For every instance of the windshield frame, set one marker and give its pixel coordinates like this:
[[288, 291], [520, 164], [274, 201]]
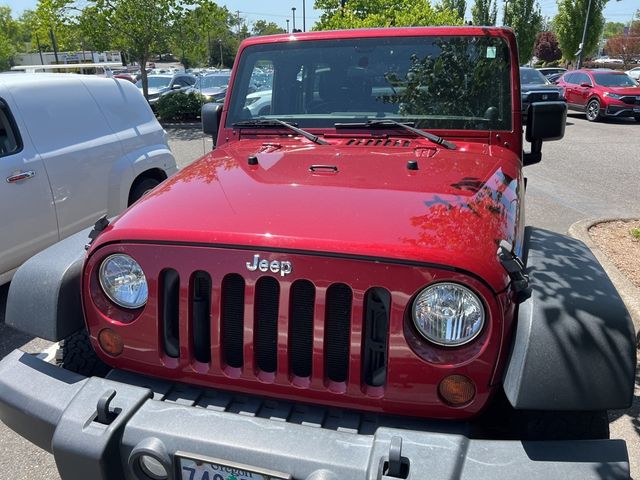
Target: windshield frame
[[510, 91]]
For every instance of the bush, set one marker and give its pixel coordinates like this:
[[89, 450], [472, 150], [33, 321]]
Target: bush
[[180, 106]]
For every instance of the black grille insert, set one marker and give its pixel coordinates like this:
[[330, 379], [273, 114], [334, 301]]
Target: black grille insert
[[377, 305], [201, 316], [170, 303], [301, 308], [266, 323], [337, 331], [232, 310]]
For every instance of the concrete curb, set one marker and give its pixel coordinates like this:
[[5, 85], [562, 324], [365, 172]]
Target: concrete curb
[[628, 292]]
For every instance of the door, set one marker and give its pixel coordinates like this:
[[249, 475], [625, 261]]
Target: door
[[27, 214]]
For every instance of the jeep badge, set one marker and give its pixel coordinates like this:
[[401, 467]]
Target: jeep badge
[[284, 268]]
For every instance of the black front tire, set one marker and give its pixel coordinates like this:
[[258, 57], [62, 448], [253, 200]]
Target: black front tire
[[594, 112], [77, 355], [141, 188]]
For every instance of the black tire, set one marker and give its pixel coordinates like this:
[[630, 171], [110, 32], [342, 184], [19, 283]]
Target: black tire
[[77, 355], [140, 188], [593, 112]]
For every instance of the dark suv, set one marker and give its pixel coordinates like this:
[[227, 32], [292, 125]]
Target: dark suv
[[602, 93]]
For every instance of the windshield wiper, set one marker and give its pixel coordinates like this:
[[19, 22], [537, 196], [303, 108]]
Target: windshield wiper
[[407, 126], [275, 123]]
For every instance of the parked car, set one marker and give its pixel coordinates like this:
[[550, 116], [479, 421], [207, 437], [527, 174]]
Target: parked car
[[72, 149], [601, 93], [159, 85], [212, 86], [259, 103], [535, 87], [548, 71], [344, 289], [634, 73]]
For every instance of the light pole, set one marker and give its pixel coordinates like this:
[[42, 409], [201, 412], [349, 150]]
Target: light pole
[[287, 25], [304, 15], [584, 36], [293, 13], [220, 45]]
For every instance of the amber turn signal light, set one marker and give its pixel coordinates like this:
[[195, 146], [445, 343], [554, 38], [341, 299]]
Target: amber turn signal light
[[456, 390], [111, 342]]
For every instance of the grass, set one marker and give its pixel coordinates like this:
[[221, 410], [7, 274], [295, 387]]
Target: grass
[[635, 233]]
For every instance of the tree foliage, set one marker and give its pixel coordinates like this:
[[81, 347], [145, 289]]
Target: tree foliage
[[569, 25], [547, 48], [262, 27], [611, 29], [525, 18], [9, 33], [53, 21], [484, 12], [458, 6], [626, 45], [382, 13]]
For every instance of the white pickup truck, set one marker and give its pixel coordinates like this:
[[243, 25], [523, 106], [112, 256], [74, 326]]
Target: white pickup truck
[[72, 149]]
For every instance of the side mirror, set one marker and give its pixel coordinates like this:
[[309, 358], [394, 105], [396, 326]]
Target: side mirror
[[585, 84], [545, 122], [211, 114], [176, 87]]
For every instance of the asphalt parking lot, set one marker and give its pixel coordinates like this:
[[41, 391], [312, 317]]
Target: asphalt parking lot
[[592, 172]]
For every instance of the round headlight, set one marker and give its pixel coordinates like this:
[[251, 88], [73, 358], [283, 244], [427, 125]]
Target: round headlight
[[448, 314], [123, 281]]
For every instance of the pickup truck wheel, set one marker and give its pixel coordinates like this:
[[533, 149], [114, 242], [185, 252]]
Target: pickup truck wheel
[[141, 188], [593, 110], [77, 355]]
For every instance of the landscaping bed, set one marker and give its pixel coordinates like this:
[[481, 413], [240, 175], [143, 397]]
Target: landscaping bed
[[620, 241]]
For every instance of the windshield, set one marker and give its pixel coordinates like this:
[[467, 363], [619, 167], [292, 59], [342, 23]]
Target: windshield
[[155, 82], [528, 76], [614, 80], [452, 82], [211, 81]]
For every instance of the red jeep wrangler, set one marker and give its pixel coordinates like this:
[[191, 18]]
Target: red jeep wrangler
[[343, 289]]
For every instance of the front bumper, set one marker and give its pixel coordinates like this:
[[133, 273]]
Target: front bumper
[[622, 110], [62, 412]]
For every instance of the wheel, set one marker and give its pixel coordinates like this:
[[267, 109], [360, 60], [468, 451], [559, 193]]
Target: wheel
[[140, 188], [593, 110], [77, 355]]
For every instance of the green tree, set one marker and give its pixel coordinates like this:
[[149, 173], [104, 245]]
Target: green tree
[[94, 31], [9, 38], [484, 12], [141, 25], [458, 6], [612, 29], [569, 24], [381, 13], [52, 20], [525, 18], [262, 27]]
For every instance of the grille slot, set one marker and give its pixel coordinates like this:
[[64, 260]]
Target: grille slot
[[337, 331], [266, 323], [301, 308], [170, 296], [201, 316], [376, 333], [232, 319]]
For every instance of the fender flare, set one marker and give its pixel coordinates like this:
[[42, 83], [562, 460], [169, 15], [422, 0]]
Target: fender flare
[[574, 345], [44, 295]]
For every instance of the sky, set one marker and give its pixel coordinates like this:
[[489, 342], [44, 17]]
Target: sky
[[278, 11]]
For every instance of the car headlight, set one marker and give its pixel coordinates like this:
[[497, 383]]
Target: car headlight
[[612, 95], [448, 314], [123, 281]]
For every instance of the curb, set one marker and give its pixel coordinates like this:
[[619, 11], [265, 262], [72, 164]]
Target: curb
[[629, 293]]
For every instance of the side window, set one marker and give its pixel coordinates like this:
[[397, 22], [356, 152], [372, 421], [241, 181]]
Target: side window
[[182, 81], [569, 78], [10, 142], [584, 78], [258, 100]]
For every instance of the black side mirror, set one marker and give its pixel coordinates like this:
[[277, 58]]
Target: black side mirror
[[545, 122], [585, 84], [211, 114]]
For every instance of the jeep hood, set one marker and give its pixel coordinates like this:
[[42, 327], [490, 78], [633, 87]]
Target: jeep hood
[[340, 199]]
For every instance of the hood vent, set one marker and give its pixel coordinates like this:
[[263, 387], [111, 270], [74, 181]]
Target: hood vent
[[378, 142]]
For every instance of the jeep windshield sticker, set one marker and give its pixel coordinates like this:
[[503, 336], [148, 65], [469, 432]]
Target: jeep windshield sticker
[[491, 52]]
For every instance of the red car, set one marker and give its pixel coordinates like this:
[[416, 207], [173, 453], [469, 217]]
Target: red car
[[343, 289], [602, 93]]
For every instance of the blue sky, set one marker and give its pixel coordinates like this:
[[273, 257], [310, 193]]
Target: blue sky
[[278, 11]]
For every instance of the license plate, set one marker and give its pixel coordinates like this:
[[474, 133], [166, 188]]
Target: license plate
[[194, 467]]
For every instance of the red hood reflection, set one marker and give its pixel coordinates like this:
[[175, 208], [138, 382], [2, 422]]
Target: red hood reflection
[[359, 201]]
